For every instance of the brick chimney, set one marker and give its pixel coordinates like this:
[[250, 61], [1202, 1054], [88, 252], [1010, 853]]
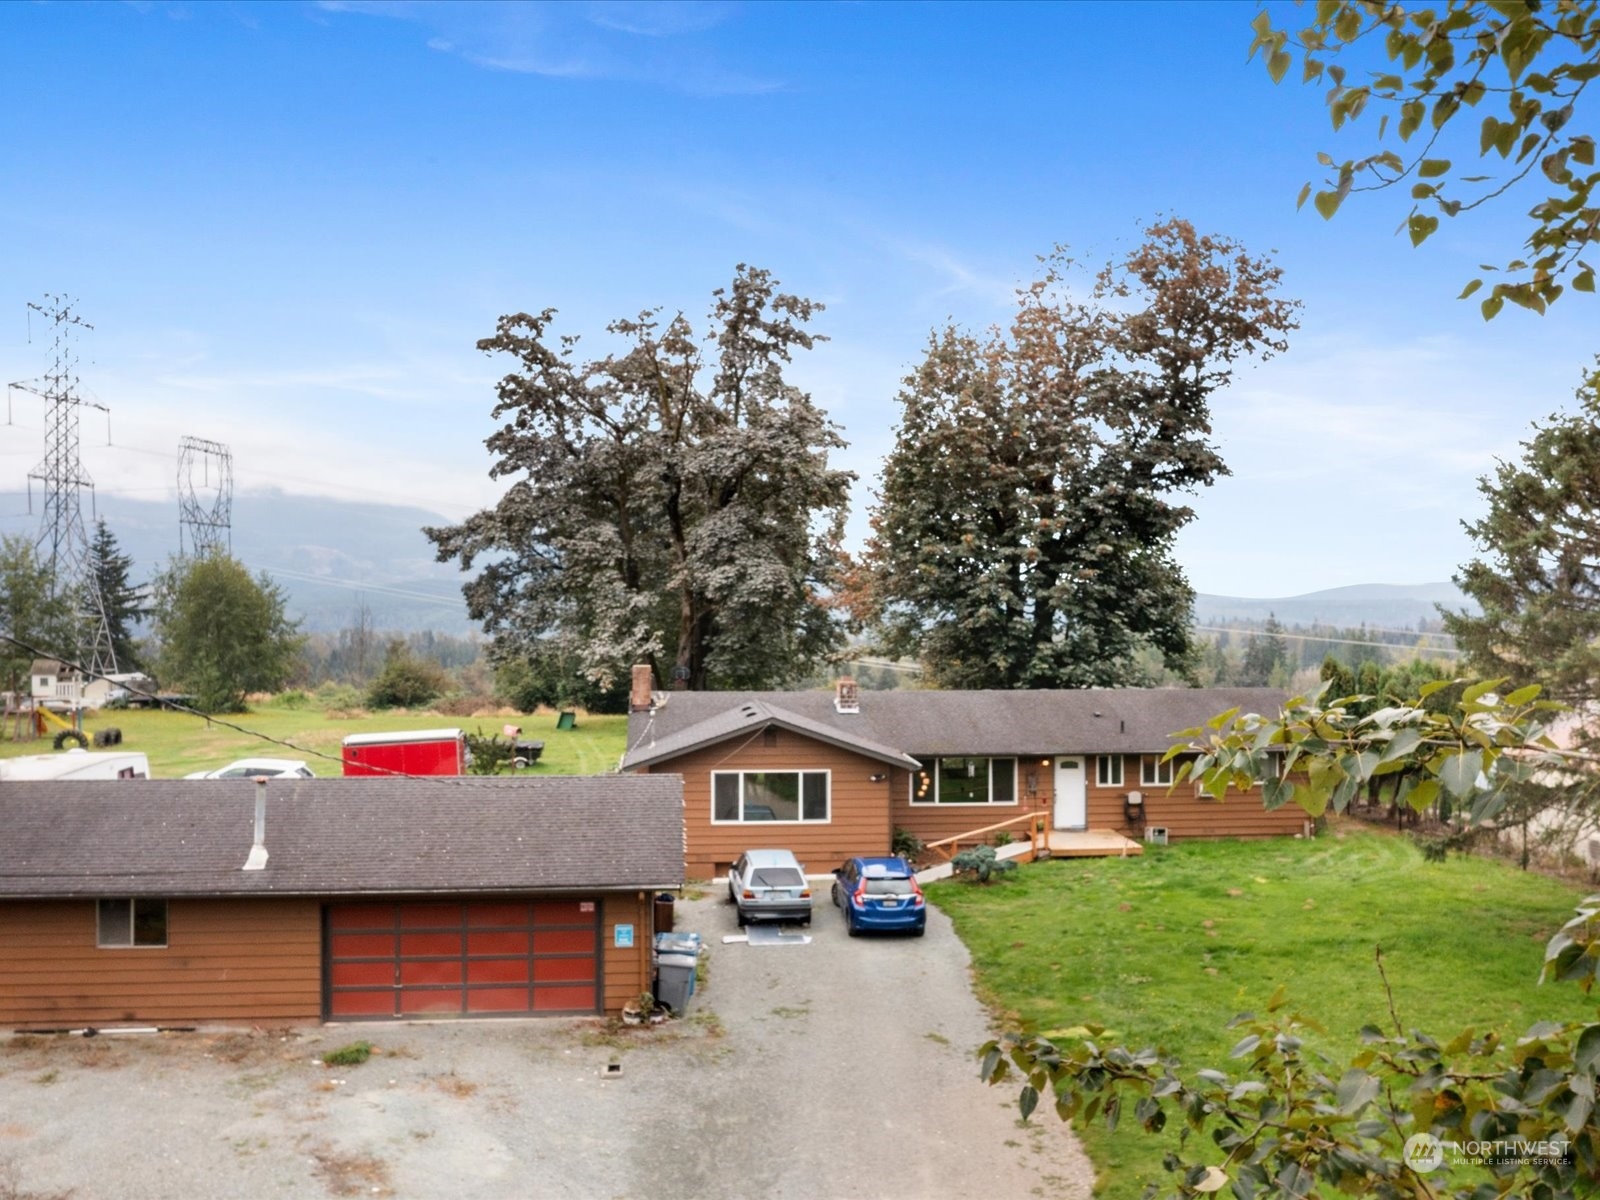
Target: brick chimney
[[640, 694], [846, 695]]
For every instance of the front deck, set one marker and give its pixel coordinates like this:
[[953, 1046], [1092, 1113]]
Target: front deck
[[1090, 843]]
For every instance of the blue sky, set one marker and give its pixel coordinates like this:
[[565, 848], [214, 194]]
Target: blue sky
[[289, 224]]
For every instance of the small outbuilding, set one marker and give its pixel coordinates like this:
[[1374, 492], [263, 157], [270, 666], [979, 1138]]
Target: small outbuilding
[[181, 902]]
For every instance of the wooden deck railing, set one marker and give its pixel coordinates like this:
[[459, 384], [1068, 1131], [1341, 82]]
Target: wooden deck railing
[[948, 848]]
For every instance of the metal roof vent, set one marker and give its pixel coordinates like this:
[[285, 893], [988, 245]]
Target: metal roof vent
[[257, 860]]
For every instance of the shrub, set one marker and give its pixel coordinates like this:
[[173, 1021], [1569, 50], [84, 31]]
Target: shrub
[[905, 844], [406, 681], [490, 752], [981, 863]]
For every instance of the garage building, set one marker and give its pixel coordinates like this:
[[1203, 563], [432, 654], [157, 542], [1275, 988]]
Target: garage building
[[182, 902]]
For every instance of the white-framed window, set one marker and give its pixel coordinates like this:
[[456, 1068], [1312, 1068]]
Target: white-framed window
[[138, 921], [785, 797], [1108, 770], [965, 780], [1154, 772]]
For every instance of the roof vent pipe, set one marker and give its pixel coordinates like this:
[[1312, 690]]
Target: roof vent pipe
[[258, 850]]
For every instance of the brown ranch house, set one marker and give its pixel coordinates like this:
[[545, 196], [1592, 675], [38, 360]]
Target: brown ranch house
[[834, 774], [182, 902]]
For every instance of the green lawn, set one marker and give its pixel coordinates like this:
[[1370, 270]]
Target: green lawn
[[1166, 948], [178, 743]]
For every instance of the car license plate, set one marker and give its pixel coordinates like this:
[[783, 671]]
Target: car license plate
[[891, 904]]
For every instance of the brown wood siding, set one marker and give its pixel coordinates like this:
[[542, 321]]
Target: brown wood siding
[[626, 969], [935, 822], [225, 960], [858, 809], [1184, 813]]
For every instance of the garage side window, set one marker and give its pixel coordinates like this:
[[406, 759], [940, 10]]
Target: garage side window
[[783, 796], [966, 781], [135, 922]]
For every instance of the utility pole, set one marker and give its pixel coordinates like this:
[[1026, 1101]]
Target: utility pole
[[205, 496], [63, 543]]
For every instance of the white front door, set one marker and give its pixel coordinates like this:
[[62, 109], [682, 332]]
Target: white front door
[[1072, 794]]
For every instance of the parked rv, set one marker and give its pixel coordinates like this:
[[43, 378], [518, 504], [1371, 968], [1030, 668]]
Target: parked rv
[[77, 764]]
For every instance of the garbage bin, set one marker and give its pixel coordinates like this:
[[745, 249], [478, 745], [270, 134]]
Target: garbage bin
[[663, 912], [676, 957]]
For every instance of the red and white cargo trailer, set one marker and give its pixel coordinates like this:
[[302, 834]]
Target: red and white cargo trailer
[[406, 752]]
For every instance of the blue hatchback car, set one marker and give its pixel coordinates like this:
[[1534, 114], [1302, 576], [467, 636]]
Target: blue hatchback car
[[880, 893]]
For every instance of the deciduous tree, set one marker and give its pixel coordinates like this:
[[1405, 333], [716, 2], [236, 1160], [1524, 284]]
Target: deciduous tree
[[31, 613], [1288, 1123], [1023, 535], [222, 634], [672, 502], [1525, 65]]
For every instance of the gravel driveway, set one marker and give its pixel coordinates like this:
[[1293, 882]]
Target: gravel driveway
[[802, 1071]]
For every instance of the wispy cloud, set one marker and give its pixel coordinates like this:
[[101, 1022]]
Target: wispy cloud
[[662, 44]]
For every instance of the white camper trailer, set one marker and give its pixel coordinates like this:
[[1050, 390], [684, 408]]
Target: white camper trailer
[[76, 764]]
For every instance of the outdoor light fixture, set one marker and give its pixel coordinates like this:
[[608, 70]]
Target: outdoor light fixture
[[879, 778]]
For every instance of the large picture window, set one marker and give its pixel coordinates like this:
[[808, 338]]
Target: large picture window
[[966, 781], [1108, 770], [136, 922], [783, 796]]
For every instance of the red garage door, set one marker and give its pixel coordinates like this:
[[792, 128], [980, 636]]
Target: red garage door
[[472, 958]]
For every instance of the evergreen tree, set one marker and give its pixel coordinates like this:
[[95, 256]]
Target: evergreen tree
[[1264, 654], [1537, 581], [125, 603]]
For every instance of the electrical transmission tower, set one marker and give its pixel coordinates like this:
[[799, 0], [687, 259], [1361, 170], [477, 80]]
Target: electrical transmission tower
[[63, 543], [205, 496]]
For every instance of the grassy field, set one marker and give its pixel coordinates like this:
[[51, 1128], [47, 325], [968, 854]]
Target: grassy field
[[1166, 948], [178, 743]]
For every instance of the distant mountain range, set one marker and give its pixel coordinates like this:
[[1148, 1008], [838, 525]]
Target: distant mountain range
[[1384, 605], [330, 556]]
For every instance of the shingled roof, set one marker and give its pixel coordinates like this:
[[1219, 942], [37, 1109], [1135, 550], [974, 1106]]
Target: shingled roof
[[753, 716], [340, 837], [927, 723]]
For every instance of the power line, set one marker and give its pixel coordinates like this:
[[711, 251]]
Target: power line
[[1306, 637]]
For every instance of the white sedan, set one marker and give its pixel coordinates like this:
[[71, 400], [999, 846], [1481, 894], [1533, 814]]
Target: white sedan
[[258, 768]]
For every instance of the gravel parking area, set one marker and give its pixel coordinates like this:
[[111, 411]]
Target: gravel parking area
[[800, 1071]]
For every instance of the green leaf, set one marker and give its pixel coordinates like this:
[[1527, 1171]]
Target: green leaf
[[1327, 203], [1587, 1053], [1583, 281], [1275, 793], [1421, 228], [1432, 168], [1028, 1101], [1460, 773], [1491, 307], [1357, 1089], [1422, 795], [1278, 65], [1479, 690], [1301, 199], [1524, 695], [1401, 745]]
